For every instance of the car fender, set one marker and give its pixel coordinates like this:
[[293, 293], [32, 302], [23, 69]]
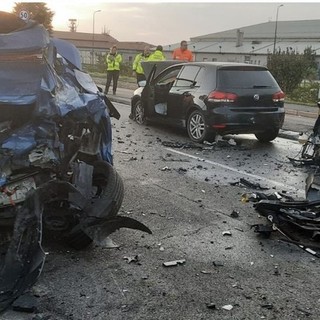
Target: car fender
[[191, 108]]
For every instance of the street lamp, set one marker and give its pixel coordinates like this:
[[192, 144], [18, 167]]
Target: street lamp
[[93, 34], [275, 29]]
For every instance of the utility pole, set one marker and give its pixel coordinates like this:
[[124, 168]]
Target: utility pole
[[275, 29], [92, 53]]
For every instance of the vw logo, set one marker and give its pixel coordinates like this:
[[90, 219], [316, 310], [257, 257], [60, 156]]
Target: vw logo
[[256, 97]]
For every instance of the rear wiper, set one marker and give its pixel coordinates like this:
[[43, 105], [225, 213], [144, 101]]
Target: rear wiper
[[255, 86]]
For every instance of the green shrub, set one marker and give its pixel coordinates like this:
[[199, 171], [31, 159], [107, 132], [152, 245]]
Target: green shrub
[[306, 92], [290, 67]]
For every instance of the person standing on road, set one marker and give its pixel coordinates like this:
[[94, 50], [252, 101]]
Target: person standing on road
[[137, 67], [157, 55], [113, 62], [182, 53]]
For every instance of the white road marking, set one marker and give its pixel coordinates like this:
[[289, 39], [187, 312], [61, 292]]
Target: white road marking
[[241, 172]]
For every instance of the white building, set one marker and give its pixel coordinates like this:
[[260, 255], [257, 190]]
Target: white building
[[252, 44]]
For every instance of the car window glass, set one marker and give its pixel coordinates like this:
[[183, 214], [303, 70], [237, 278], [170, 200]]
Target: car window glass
[[200, 77], [255, 78], [169, 77], [187, 76]]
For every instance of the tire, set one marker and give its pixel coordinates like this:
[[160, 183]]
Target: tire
[[110, 195], [197, 128], [139, 113], [268, 135], [106, 201]]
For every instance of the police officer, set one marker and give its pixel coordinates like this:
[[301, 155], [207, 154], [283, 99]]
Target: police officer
[[113, 62], [157, 55], [137, 67]]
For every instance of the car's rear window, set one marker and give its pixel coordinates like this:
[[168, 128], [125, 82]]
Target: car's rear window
[[247, 78]]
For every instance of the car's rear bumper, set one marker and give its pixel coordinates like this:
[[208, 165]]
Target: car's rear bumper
[[244, 122]]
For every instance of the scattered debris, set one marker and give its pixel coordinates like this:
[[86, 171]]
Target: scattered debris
[[249, 184], [257, 196], [207, 271], [217, 263], [174, 263], [232, 142], [227, 307], [180, 145], [132, 159], [182, 170], [276, 271], [25, 303], [131, 259], [211, 305], [107, 243], [234, 214], [219, 142], [263, 229]]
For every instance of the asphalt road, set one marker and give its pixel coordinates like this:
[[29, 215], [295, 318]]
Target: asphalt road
[[224, 271]]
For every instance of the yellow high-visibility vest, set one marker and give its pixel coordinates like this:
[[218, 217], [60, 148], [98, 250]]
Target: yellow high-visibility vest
[[113, 61]]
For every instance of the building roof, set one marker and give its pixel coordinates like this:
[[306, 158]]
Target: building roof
[[259, 39], [304, 29], [99, 41], [83, 36]]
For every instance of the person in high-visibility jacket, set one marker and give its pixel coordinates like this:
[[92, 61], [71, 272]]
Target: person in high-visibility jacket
[[137, 67], [157, 55], [113, 62]]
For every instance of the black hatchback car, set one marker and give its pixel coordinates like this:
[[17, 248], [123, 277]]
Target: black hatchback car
[[209, 98]]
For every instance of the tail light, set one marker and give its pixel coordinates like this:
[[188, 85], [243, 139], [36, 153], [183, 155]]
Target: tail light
[[220, 96], [278, 96]]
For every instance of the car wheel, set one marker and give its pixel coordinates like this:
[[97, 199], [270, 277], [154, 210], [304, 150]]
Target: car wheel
[[268, 135], [107, 200], [138, 113], [196, 127]]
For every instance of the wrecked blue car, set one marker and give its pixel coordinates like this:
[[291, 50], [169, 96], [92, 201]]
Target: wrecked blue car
[[56, 166]]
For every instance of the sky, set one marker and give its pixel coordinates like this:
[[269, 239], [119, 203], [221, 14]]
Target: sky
[[168, 22]]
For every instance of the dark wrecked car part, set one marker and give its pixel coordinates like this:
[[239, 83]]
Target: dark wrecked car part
[[297, 221], [22, 257], [56, 164], [310, 151]]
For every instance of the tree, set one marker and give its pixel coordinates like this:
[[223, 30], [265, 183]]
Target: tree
[[38, 11], [289, 68]]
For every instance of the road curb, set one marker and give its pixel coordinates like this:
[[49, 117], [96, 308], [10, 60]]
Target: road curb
[[306, 114]]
